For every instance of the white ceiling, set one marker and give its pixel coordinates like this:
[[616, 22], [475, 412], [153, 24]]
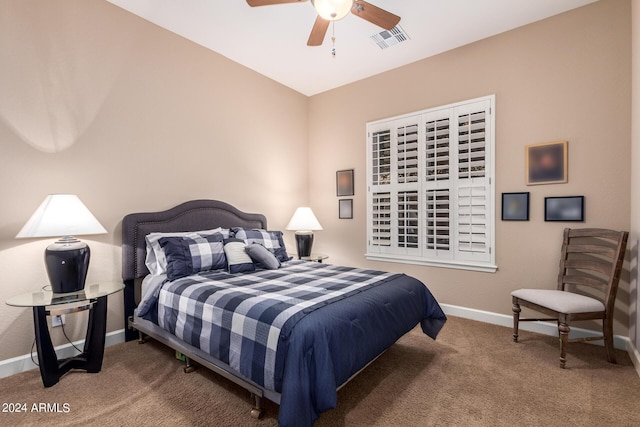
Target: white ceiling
[[272, 39]]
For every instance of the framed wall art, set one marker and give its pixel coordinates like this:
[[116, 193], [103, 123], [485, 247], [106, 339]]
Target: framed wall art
[[547, 163], [345, 209], [564, 208], [344, 183], [515, 206]]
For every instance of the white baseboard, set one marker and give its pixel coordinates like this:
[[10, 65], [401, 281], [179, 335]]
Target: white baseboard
[[635, 356], [24, 363], [545, 328]]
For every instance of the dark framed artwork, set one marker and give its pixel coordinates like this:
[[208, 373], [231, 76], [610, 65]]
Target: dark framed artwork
[[547, 163], [515, 206], [344, 183], [345, 208], [564, 208]]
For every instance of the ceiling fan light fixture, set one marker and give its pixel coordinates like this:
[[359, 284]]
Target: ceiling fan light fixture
[[332, 10]]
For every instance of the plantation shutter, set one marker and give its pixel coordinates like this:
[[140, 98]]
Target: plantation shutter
[[381, 221], [407, 149], [408, 221], [437, 148], [471, 144], [438, 210], [430, 192], [438, 218], [473, 189], [406, 217], [381, 204], [381, 153]]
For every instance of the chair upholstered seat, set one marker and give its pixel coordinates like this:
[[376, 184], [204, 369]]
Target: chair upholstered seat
[[560, 301], [590, 263]]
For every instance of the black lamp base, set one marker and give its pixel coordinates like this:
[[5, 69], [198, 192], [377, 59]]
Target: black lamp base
[[67, 265], [304, 242]]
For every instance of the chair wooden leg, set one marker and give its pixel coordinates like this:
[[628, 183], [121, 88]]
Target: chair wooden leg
[[564, 330], [516, 320], [607, 329]]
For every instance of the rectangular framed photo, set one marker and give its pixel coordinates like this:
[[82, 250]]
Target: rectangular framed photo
[[547, 163], [515, 206], [345, 209], [564, 208], [344, 183]]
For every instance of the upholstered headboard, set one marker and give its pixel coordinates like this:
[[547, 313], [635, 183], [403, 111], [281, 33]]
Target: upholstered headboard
[[189, 216]]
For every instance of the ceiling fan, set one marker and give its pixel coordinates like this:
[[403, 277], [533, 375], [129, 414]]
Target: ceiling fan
[[333, 10]]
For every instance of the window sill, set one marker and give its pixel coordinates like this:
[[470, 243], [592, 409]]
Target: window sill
[[458, 265]]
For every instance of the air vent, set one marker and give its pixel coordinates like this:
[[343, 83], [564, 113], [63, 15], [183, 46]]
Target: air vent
[[388, 38]]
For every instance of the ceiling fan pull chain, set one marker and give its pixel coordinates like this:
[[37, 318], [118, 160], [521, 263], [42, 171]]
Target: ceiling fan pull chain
[[333, 39]]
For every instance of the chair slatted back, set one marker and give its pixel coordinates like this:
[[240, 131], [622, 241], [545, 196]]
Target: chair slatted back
[[592, 258]]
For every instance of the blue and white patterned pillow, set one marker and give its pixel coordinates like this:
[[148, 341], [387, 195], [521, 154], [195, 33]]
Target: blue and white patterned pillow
[[156, 260], [192, 254], [272, 240]]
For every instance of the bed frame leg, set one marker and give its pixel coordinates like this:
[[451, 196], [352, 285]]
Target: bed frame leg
[[257, 412], [188, 368], [140, 338]]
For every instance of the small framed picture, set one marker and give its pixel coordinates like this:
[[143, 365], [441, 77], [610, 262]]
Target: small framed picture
[[345, 208], [546, 163], [344, 183], [515, 206], [564, 208]]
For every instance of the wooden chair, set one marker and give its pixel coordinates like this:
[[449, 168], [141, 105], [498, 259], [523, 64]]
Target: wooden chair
[[590, 266]]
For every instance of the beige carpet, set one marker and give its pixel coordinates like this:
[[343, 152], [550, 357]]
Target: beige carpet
[[473, 375]]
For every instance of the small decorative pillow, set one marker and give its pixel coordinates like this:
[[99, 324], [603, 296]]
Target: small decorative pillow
[[262, 257], [237, 258], [271, 240], [189, 255]]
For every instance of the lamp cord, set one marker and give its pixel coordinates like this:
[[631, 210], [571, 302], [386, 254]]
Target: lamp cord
[[44, 288], [65, 335], [34, 361], [32, 346]]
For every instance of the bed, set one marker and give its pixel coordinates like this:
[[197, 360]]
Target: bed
[[291, 331]]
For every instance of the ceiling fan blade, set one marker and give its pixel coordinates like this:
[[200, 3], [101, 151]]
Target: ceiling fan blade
[[375, 15], [254, 3], [318, 32]]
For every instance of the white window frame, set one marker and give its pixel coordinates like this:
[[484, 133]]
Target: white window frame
[[467, 210]]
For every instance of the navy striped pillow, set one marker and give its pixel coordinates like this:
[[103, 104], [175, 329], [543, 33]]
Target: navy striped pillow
[[237, 258]]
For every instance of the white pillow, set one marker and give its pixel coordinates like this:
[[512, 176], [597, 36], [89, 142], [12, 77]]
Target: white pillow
[[156, 261]]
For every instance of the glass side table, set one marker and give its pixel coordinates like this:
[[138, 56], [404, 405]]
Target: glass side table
[[315, 257], [45, 303]]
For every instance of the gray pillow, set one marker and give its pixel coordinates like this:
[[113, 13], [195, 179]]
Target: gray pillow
[[262, 256]]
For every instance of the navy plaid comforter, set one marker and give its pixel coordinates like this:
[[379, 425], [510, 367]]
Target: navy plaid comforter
[[249, 322], [241, 318]]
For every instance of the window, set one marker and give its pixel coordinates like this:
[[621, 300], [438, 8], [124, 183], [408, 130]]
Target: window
[[430, 180]]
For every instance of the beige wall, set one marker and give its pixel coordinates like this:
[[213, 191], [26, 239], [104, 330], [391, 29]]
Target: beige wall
[[564, 78], [90, 92], [635, 178], [149, 120]]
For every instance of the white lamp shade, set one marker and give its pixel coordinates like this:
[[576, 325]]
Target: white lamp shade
[[332, 10], [61, 215], [304, 219]]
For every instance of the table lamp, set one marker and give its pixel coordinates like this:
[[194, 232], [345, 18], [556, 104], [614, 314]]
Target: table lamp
[[67, 260], [304, 222]]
